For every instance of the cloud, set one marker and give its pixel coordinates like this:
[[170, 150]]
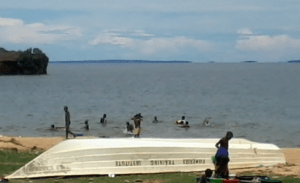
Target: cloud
[[244, 31], [35, 25], [152, 45], [128, 33], [113, 39], [16, 31], [10, 22], [268, 43], [173, 44], [141, 33]]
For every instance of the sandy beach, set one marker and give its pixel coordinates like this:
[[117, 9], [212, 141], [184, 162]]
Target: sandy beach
[[291, 168], [29, 143]]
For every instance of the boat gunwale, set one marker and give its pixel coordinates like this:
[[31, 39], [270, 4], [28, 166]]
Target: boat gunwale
[[162, 143]]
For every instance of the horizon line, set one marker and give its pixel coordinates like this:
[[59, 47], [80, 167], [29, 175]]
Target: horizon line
[[160, 61]]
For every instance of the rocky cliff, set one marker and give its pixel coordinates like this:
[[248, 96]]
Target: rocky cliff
[[27, 62]]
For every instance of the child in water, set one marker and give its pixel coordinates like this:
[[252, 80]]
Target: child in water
[[129, 127], [103, 119], [185, 125], [221, 156], [182, 121], [155, 120], [86, 127]]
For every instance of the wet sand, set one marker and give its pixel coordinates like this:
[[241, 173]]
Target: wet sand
[[291, 168]]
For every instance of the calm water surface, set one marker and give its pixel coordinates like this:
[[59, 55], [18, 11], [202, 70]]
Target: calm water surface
[[259, 102]]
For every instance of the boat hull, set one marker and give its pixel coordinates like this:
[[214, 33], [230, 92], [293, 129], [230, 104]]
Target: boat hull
[[141, 155]]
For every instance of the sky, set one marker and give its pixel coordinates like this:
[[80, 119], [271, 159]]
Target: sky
[[190, 30]]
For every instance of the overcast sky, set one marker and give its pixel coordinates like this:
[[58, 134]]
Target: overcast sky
[[193, 30]]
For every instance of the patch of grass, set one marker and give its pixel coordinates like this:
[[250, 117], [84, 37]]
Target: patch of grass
[[284, 179], [155, 178], [289, 179], [7, 169], [17, 157], [11, 160]]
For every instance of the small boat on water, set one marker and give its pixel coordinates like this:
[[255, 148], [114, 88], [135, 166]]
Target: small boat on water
[[102, 156]]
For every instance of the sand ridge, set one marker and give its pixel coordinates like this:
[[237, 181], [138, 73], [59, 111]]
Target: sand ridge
[[28, 143]]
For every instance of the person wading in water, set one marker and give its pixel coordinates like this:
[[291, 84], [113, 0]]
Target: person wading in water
[[103, 119], [137, 123], [182, 121], [68, 122], [155, 120], [129, 127], [86, 127]]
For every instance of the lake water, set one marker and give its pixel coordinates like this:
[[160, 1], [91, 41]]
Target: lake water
[[259, 102]]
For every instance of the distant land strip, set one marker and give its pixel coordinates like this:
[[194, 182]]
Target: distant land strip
[[151, 62], [119, 61], [294, 61]]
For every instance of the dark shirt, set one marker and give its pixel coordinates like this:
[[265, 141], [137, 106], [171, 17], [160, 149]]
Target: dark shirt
[[129, 128], [102, 120], [67, 118]]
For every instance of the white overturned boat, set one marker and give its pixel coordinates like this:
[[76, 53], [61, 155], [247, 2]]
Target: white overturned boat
[[103, 156]]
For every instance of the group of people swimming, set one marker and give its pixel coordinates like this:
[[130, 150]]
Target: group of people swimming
[[137, 123], [185, 124], [134, 129]]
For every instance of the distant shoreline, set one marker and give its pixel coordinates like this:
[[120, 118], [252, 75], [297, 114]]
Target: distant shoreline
[[119, 61], [162, 62]]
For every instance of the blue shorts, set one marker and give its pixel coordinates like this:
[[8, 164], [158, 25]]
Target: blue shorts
[[222, 152]]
